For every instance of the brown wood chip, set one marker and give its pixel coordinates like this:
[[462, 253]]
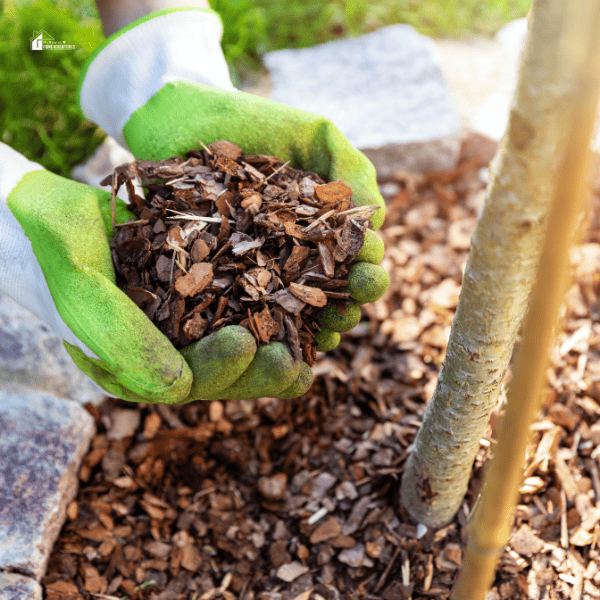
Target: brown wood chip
[[289, 302], [228, 149], [326, 260], [194, 328], [198, 278], [310, 295], [333, 192]]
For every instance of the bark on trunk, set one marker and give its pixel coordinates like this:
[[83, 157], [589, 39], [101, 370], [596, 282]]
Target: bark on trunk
[[498, 279]]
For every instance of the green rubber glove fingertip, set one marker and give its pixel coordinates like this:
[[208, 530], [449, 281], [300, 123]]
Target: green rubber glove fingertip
[[333, 319], [300, 386], [219, 360], [367, 282], [272, 371], [372, 249], [327, 340]]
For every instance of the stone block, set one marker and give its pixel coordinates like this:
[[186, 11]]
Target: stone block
[[32, 355], [18, 587], [414, 157], [44, 439], [384, 90]]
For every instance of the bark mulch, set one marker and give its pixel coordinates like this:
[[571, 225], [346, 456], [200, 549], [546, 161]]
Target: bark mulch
[[233, 239], [297, 500]]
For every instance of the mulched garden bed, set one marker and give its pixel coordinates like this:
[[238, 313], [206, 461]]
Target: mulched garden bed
[[297, 499]]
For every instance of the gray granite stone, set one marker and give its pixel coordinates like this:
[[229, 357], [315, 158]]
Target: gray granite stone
[[18, 587], [414, 157], [32, 355], [43, 441], [383, 90]]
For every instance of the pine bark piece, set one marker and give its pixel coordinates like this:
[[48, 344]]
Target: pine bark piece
[[333, 192], [199, 251], [292, 337], [224, 229], [222, 203], [164, 268], [140, 296], [230, 166], [226, 148], [252, 203], [198, 278], [194, 328], [289, 302], [351, 240], [266, 325], [310, 295], [297, 259], [326, 260], [134, 252], [223, 302]]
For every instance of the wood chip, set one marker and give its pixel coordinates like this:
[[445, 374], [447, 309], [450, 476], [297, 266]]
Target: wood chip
[[289, 302], [566, 479], [325, 531], [310, 295], [190, 558], [525, 542], [291, 571], [198, 252], [197, 280], [124, 424], [274, 487], [336, 191]]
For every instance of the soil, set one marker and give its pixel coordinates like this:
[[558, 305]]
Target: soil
[[298, 500]]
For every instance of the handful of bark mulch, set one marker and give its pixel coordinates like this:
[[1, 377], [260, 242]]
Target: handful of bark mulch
[[224, 238]]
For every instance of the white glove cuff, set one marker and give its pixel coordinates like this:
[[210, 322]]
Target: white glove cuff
[[21, 277], [130, 69]]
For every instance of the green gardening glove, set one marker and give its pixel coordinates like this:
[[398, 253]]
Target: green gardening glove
[[64, 227], [56, 235], [181, 113], [159, 120]]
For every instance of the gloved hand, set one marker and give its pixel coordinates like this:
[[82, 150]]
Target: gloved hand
[[56, 261], [161, 85]]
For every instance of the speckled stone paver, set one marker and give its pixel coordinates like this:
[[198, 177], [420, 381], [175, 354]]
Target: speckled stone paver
[[32, 355], [18, 587], [42, 444], [482, 76], [384, 90], [378, 88]]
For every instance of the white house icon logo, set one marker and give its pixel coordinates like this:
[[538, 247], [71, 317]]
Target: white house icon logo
[[40, 38]]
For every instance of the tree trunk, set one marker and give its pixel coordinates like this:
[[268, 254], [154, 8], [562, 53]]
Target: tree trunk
[[498, 279], [492, 519]]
